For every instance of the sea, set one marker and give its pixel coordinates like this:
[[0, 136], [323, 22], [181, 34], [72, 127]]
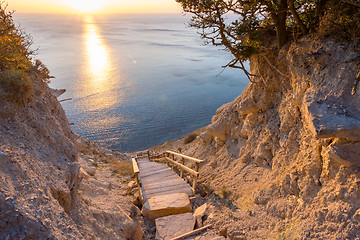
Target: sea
[[135, 81]]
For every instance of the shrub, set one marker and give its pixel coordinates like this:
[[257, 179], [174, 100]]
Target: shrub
[[16, 65], [14, 44], [190, 138], [16, 82], [225, 193]]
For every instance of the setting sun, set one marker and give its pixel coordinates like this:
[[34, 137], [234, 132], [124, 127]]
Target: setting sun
[[86, 6], [94, 6]]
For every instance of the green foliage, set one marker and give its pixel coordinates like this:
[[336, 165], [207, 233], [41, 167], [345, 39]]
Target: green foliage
[[16, 66], [246, 28], [342, 20], [225, 193], [14, 44], [39, 68]]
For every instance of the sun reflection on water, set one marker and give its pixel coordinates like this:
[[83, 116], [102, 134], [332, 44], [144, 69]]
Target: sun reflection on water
[[99, 64], [99, 70]]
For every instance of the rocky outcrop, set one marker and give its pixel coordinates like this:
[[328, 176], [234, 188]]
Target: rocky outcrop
[[46, 193], [328, 120], [284, 154]]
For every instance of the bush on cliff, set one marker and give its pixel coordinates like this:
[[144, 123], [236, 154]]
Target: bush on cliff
[[17, 70]]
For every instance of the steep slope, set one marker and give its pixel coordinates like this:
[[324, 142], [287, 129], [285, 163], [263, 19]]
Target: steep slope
[[45, 191], [283, 158]]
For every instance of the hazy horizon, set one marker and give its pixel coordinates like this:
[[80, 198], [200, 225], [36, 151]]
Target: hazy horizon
[[94, 6]]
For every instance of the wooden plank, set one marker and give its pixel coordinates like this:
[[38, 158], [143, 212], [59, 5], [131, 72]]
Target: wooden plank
[[162, 186], [165, 172], [156, 177], [152, 172], [151, 168], [147, 168], [166, 180], [188, 191], [186, 157], [175, 189]]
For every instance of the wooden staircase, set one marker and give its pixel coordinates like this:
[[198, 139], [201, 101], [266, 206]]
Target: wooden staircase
[[165, 190]]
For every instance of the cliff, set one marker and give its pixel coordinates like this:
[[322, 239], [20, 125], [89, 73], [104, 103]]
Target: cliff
[[55, 185], [282, 159]]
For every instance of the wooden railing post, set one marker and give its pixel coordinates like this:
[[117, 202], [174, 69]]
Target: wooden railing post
[[196, 177], [182, 170], [167, 155], [172, 165]]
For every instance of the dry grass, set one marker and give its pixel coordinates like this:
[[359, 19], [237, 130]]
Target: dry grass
[[121, 168], [245, 202]]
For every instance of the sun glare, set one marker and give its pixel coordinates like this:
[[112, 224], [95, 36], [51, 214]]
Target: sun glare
[[98, 68], [97, 52], [85, 6]]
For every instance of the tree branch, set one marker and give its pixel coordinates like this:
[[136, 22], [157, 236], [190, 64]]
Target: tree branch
[[351, 2], [296, 17], [272, 66]]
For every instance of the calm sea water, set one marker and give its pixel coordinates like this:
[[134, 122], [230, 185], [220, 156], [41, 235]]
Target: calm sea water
[[136, 81]]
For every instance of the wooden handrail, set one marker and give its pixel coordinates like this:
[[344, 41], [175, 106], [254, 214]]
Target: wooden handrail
[[186, 157], [135, 166], [189, 170], [137, 177], [169, 157]]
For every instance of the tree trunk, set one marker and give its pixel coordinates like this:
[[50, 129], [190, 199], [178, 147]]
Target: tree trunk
[[296, 17], [279, 19]]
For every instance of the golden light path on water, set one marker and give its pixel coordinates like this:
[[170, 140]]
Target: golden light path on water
[[99, 69], [97, 53], [99, 83]]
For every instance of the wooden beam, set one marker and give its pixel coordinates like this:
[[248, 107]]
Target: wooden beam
[[192, 233], [186, 157], [179, 165]]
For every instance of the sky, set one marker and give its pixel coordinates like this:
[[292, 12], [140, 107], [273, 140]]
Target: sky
[[94, 6]]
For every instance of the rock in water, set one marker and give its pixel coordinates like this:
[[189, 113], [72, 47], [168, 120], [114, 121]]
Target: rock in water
[[57, 92]]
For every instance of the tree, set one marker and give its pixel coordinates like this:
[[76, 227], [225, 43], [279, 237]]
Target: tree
[[249, 27]]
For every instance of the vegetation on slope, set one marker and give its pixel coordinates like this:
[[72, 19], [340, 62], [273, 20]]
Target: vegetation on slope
[[17, 68], [246, 28]]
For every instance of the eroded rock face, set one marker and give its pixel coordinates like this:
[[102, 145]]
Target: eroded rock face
[[45, 191], [289, 145], [327, 120]]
